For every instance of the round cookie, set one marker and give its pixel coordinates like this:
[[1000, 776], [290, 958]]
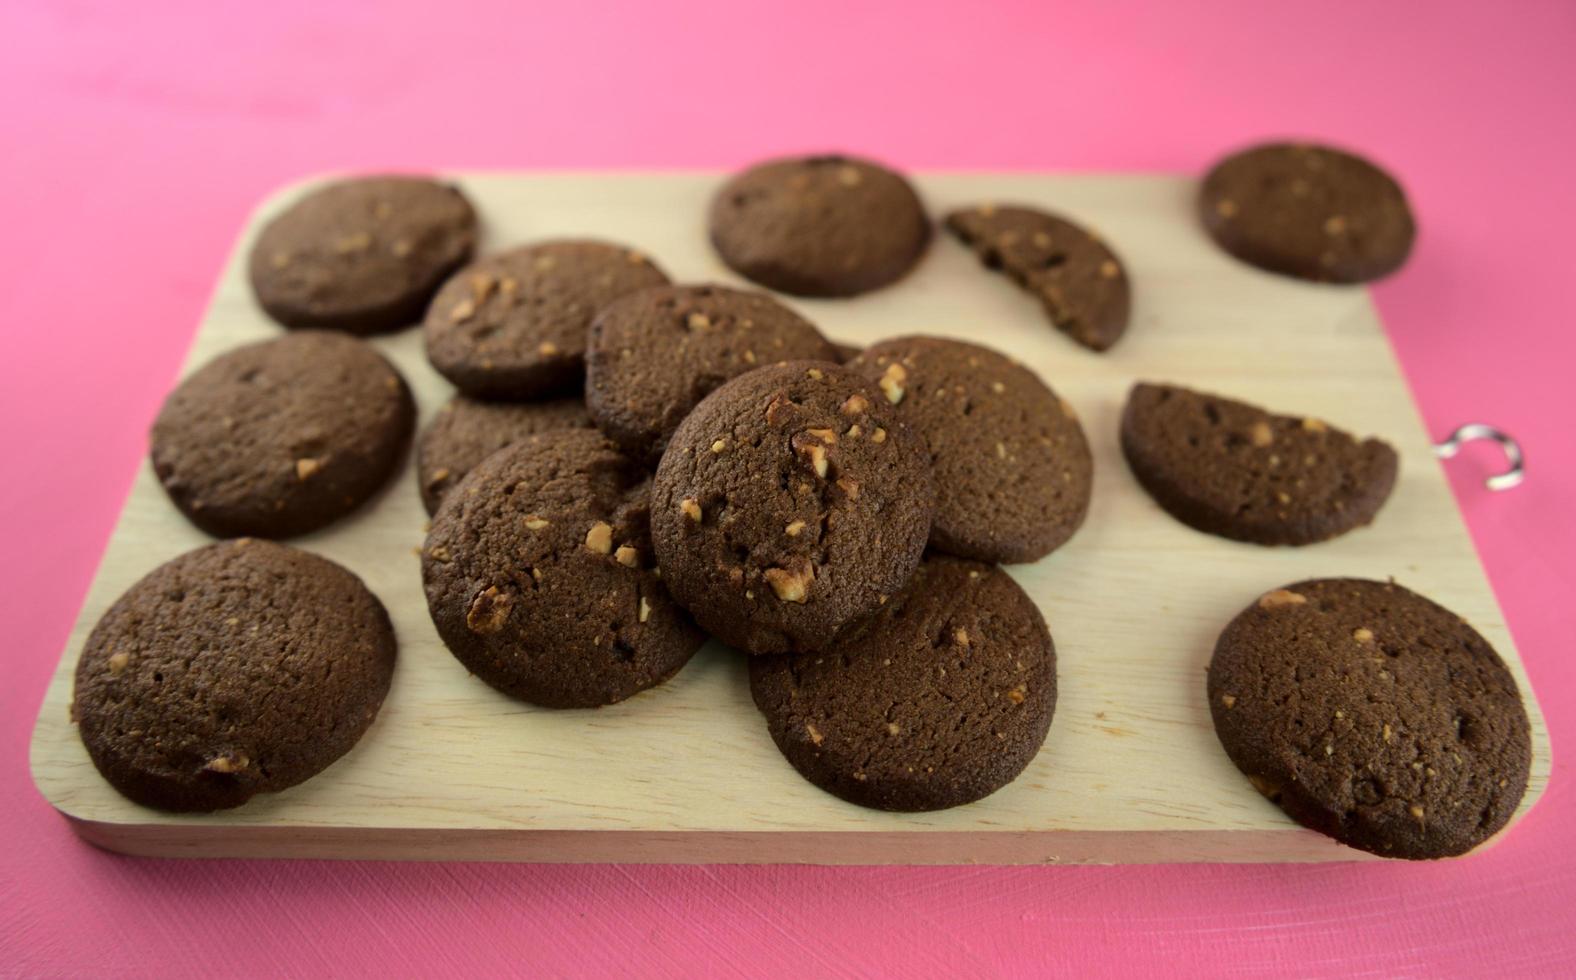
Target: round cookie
[[239, 668], [539, 576], [1371, 714], [1235, 470], [1012, 468], [791, 501], [1075, 276], [1308, 211], [282, 437], [819, 225], [513, 326], [653, 355], [362, 255], [939, 699], [466, 431]]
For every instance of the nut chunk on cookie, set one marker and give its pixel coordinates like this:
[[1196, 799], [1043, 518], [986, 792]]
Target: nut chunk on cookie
[[362, 255], [940, 698], [792, 500], [1075, 276], [1236, 470], [540, 580], [1012, 467], [240, 668], [1371, 714]]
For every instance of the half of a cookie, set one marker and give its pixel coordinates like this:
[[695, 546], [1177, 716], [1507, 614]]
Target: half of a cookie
[[1238, 471], [1076, 277]]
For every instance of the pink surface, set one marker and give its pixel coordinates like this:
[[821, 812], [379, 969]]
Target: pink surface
[[138, 135]]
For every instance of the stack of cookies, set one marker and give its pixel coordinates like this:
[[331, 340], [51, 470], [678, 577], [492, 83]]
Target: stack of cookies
[[628, 465]]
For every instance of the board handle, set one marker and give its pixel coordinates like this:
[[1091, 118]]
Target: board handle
[[1516, 463]]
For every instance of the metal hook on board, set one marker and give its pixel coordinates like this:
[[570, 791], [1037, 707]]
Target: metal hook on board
[[1515, 461]]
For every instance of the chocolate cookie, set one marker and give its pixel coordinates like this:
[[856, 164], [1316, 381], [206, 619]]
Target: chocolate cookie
[[361, 255], [1012, 468], [239, 668], [514, 325], [847, 352], [466, 431], [1308, 211], [1371, 714], [819, 226], [1237, 471], [282, 437], [792, 500], [653, 355], [939, 699], [1075, 276], [539, 576]]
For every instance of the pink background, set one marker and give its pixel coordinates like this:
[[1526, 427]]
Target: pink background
[[137, 136]]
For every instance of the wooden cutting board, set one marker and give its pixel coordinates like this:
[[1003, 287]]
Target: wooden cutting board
[[1131, 772]]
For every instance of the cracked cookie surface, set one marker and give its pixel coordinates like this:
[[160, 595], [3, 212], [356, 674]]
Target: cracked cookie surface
[[1373, 715], [539, 576], [239, 668], [791, 501], [939, 699], [1012, 468], [1238, 471], [653, 355], [362, 255], [282, 437], [513, 325]]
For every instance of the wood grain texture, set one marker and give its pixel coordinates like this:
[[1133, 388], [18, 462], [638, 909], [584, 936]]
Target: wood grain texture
[[1131, 770]]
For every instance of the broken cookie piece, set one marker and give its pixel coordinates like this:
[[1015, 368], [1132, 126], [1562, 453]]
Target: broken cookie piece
[[1074, 275], [1238, 471]]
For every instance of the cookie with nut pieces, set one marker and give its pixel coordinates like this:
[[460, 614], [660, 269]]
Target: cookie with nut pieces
[[239, 668], [654, 354], [1308, 211], [1238, 471], [819, 225], [513, 326], [539, 576], [466, 431], [282, 437], [1373, 715], [1076, 277], [940, 698], [791, 501], [362, 255], [1013, 472]]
